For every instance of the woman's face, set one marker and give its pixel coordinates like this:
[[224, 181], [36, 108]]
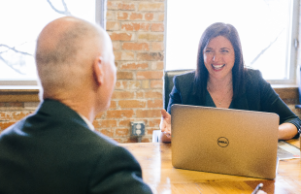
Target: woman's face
[[219, 58]]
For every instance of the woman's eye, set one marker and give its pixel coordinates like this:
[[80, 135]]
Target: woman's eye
[[207, 51], [225, 51]]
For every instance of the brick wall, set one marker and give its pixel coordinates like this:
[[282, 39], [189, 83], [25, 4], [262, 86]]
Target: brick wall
[[11, 112], [137, 31]]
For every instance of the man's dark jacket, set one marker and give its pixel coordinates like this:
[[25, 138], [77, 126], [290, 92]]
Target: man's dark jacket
[[54, 151]]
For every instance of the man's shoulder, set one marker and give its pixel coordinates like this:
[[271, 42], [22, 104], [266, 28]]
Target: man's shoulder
[[98, 139]]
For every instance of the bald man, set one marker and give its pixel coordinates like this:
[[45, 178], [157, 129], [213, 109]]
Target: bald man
[[56, 150]]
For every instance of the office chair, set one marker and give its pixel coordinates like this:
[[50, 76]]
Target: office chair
[[168, 83]]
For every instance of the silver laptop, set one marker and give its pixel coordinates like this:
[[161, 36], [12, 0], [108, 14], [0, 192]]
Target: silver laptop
[[225, 141]]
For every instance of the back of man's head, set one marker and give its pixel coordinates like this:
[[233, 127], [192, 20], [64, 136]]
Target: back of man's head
[[66, 49]]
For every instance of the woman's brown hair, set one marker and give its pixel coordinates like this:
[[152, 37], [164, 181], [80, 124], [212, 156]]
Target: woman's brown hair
[[201, 75]]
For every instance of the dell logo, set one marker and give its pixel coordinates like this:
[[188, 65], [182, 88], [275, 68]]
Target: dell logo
[[222, 142]]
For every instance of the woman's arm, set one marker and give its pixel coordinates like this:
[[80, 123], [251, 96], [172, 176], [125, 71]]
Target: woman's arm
[[287, 131], [271, 102], [289, 122]]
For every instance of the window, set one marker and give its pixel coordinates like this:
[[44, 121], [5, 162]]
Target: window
[[267, 30], [22, 21]]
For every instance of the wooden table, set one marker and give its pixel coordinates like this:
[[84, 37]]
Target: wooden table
[[163, 178]]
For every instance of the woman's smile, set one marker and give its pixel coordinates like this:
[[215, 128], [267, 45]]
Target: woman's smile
[[217, 67]]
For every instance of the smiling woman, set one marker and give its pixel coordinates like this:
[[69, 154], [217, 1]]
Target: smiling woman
[[20, 29], [221, 80]]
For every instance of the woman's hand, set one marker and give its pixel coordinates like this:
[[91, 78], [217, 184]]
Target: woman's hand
[[165, 126]]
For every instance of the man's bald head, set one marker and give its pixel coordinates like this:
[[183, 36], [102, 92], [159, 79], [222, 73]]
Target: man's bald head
[[66, 48]]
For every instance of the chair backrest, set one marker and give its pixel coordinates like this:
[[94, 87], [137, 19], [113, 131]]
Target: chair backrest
[[168, 83]]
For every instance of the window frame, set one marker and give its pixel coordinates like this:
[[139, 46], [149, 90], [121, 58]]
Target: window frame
[[293, 49], [100, 19]]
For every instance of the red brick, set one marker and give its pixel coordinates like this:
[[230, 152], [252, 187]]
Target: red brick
[[157, 103], [149, 130], [161, 17], [133, 66], [3, 116], [132, 85], [154, 56], [123, 94], [136, 16], [132, 103], [96, 123], [123, 132], [14, 115], [124, 55], [125, 123], [157, 46], [148, 113], [112, 25], [135, 46], [149, 16], [12, 104], [122, 16], [113, 104], [121, 84], [149, 75], [99, 115], [126, 6], [108, 123], [4, 125], [112, 5], [151, 7], [145, 84], [124, 75], [128, 85], [153, 94], [157, 65], [120, 113], [140, 94], [157, 27], [121, 36], [118, 5], [116, 45], [153, 37], [156, 84], [132, 26], [110, 15], [107, 132], [154, 123]]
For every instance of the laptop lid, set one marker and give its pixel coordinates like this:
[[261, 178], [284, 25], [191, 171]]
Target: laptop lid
[[225, 141]]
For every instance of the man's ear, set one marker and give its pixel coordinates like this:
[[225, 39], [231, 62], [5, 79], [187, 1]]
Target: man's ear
[[98, 71]]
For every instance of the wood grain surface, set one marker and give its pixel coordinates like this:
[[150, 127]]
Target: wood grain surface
[[163, 178]]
